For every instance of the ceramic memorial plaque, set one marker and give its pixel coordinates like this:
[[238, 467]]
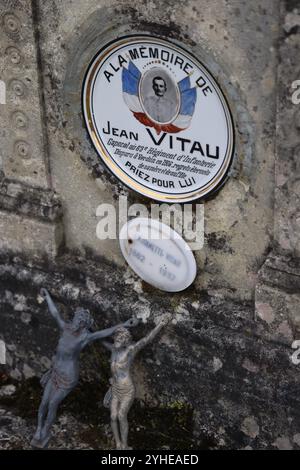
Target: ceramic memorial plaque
[[158, 119], [158, 254]]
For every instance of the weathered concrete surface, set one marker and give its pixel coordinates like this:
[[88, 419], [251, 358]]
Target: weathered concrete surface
[[49, 236], [23, 155], [223, 369], [278, 291], [237, 41], [277, 297], [234, 373], [29, 219], [287, 192]]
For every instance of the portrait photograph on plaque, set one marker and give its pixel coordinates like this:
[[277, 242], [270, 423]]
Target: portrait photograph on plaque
[[159, 96]]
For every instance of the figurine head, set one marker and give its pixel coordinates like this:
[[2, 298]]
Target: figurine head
[[122, 337], [82, 319], [159, 86]]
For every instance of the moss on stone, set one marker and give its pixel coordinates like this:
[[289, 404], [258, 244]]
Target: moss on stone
[[169, 427]]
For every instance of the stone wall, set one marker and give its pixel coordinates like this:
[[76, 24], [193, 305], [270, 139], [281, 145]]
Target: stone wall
[[223, 370], [237, 43]]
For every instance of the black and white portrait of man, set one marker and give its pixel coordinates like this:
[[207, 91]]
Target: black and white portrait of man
[[159, 96]]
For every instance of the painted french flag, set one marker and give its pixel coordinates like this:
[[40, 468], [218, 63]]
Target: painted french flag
[[188, 97]]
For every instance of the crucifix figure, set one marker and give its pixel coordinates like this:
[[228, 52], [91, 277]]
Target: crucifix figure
[[121, 394], [63, 376]]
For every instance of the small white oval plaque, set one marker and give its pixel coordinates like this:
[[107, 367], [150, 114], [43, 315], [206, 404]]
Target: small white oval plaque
[[158, 254]]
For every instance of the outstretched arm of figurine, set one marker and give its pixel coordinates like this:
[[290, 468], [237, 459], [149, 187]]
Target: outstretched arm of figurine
[[147, 339], [52, 308], [110, 331], [107, 345]]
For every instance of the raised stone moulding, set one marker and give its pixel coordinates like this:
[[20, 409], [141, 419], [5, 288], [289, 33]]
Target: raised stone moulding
[[22, 148], [11, 24], [14, 55], [20, 120], [18, 88]]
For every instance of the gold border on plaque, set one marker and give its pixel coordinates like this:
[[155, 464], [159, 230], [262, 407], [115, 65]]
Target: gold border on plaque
[[114, 168]]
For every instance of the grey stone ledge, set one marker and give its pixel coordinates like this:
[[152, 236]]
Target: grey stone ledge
[[29, 201], [282, 272]]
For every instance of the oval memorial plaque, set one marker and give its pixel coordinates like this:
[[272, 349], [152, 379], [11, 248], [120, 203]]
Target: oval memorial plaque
[[158, 254], [158, 119]]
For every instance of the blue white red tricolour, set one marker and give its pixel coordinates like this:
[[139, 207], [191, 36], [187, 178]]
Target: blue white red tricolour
[[188, 96]]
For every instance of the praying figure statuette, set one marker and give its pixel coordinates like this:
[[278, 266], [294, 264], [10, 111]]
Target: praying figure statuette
[[121, 394], [63, 376]]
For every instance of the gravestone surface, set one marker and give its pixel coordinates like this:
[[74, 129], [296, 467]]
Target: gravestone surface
[[238, 220], [225, 359], [28, 205]]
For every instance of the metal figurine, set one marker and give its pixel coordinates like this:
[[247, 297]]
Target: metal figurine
[[63, 376], [121, 394]]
